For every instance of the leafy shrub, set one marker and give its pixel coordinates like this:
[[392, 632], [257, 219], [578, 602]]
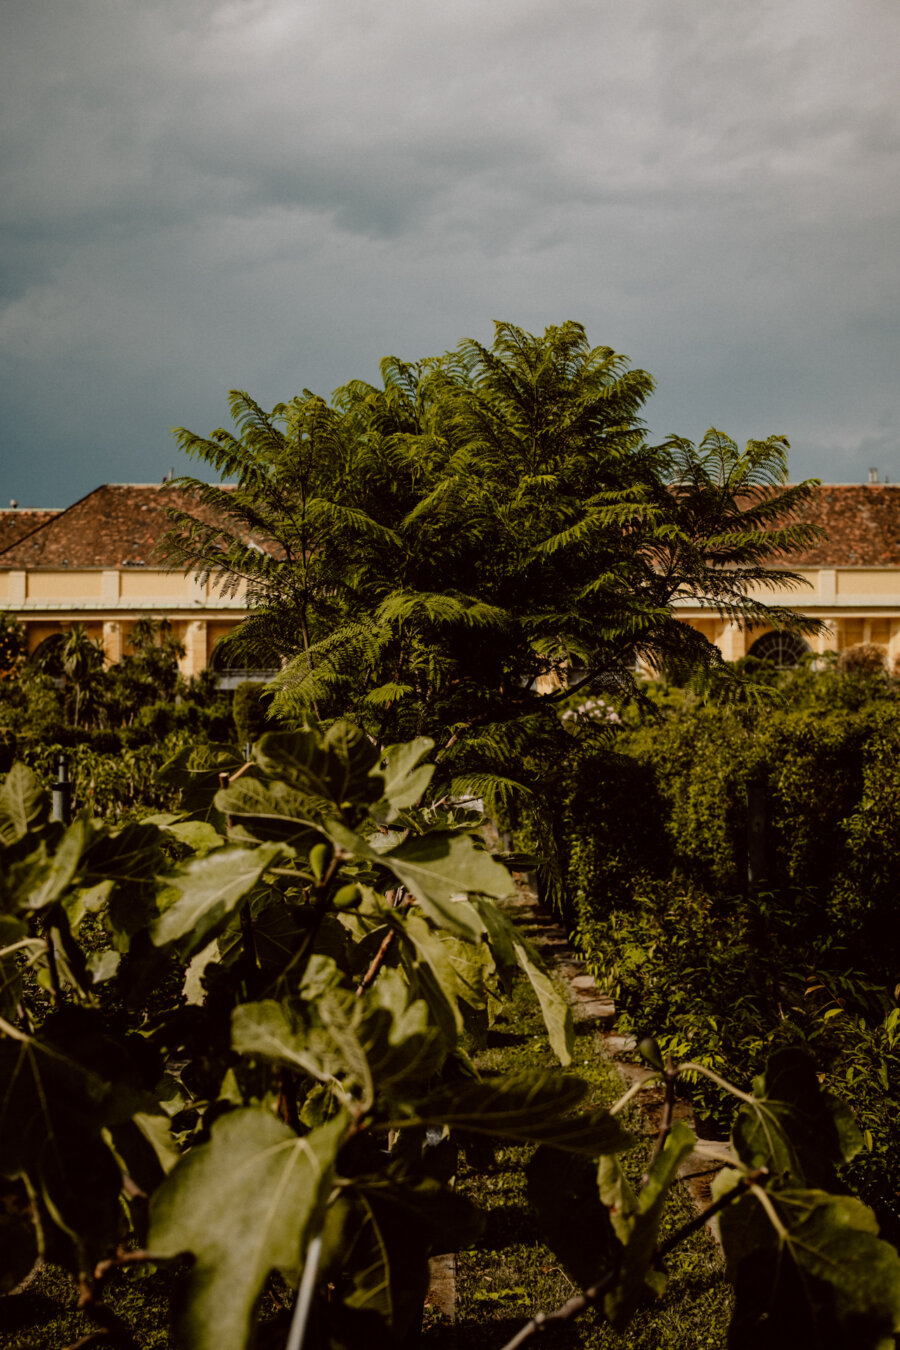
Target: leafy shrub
[[865, 658], [249, 710], [271, 1045]]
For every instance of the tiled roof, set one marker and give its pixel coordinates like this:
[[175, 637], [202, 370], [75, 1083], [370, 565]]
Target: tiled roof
[[14, 525], [119, 524], [862, 524]]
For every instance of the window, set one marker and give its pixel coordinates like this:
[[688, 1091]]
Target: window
[[782, 649]]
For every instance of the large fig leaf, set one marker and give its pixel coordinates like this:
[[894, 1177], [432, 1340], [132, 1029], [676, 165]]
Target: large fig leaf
[[433, 962], [61, 1090], [437, 869], [269, 809], [62, 868], [635, 1220], [24, 805], [511, 947], [809, 1270], [794, 1128], [244, 1204], [196, 769], [378, 1237], [404, 778], [208, 890], [332, 773], [527, 1107], [573, 1222], [380, 1043]]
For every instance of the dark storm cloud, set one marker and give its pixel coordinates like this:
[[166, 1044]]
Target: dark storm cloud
[[201, 193]]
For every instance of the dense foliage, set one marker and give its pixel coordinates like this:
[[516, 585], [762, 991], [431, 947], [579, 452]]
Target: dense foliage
[[654, 822], [238, 1032], [436, 555]]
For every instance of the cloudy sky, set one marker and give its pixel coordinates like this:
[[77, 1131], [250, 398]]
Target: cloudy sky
[[197, 195]]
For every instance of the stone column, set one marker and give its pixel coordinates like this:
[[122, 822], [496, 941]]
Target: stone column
[[112, 641], [732, 641], [194, 659]]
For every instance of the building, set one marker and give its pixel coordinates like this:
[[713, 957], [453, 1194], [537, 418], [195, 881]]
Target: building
[[852, 578], [96, 563]]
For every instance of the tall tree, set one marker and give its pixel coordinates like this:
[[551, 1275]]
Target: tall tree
[[431, 555]]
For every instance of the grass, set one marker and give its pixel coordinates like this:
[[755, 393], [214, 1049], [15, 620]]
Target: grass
[[509, 1276]]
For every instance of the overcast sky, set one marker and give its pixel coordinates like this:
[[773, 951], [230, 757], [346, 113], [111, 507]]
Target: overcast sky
[[197, 195]]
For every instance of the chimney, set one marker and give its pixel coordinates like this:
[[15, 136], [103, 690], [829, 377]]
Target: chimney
[[873, 475]]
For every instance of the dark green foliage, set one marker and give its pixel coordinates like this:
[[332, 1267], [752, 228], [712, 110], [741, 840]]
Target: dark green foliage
[[272, 1013], [433, 555], [248, 708], [12, 645]]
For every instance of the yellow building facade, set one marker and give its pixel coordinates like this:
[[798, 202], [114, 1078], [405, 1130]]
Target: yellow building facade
[[97, 563]]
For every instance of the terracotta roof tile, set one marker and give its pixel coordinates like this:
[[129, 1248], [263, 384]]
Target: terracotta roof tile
[[14, 525], [862, 524], [119, 524]]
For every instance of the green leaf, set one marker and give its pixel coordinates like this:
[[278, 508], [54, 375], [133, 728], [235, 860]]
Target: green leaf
[[244, 1204], [208, 890], [61, 1090], [199, 835], [195, 770], [809, 1270], [269, 809], [527, 1107], [573, 1222], [437, 869], [405, 780], [377, 1239], [793, 1127], [64, 866], [12, 932], [330, 772], [24, 805], [380, 1043], [438, 970], [508, 942], [635, 1220]]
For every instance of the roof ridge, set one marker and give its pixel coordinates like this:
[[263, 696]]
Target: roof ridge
[[43, 525]]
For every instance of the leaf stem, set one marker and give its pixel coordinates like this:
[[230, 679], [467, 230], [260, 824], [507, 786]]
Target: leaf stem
[[670, 1077], [650, 1081], [689, 1067], [305, 1295]]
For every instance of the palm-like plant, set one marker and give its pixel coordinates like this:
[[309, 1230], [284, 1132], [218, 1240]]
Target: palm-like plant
[[80, 660], [420, 554]]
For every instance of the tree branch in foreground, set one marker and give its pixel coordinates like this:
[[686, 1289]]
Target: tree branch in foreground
[[579, 1302]]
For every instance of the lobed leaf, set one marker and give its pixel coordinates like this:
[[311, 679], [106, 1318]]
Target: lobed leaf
[[244, 1204], [208, 890], [527, 1107], [809, 1270]]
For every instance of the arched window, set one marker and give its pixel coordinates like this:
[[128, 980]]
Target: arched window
[[781, 649]]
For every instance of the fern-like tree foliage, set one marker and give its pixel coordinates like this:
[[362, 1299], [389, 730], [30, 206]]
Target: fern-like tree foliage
[[456, 550]]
